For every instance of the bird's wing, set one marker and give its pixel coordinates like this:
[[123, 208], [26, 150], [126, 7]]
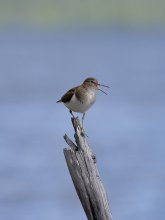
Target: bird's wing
[[80, 93], [67, 96]]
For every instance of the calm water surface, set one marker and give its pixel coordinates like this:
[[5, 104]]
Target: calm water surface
[[126, 128]]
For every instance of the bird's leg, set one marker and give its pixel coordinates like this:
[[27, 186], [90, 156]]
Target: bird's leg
[[83, 118], [82, 128], [71, 113]]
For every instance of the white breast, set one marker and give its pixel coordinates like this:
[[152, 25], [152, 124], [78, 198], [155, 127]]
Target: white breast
[[77, 106]]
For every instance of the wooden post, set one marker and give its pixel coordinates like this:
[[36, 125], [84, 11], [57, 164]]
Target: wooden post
[[83, 170]]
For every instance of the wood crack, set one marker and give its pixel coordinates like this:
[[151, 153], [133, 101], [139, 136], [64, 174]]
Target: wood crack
[[85, 176]]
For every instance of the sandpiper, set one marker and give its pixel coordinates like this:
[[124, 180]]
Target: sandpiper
[[81, 98]]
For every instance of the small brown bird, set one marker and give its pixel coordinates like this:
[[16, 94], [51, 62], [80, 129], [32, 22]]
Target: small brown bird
[[81, 98]]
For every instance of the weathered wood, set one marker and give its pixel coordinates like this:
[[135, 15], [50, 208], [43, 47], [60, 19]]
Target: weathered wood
[[85, 176]]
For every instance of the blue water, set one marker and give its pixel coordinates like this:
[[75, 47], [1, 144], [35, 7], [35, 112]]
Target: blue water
[[126, 128]]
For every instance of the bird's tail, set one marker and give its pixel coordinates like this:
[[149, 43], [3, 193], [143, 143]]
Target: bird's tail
[[58, 101]]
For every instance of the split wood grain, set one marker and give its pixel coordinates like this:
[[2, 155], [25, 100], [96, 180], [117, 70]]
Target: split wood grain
[[81, 163]]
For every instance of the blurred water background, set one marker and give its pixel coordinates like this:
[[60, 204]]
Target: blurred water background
[[47, 47]]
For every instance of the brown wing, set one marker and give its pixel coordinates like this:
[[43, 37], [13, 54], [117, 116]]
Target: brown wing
[[67, 96], [80, 93]]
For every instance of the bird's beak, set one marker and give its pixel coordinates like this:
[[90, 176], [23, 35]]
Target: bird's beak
[[98, 84], [103, 86], [102, 91]]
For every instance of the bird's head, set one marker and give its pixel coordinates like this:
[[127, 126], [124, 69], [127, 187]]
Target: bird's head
[[93, 83]]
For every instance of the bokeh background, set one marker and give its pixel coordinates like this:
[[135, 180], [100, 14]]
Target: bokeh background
[[47, 47]]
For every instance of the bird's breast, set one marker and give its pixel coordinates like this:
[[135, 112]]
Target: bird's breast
[[82, 103], [90, 96]]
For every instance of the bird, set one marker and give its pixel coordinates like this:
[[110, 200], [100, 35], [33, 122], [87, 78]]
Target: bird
[[81, 98]]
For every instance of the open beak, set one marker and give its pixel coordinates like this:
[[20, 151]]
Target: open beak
[[98, 84], [102, 85], [101, 89]]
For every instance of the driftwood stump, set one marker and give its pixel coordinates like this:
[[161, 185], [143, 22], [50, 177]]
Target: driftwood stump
[[83, 170]]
